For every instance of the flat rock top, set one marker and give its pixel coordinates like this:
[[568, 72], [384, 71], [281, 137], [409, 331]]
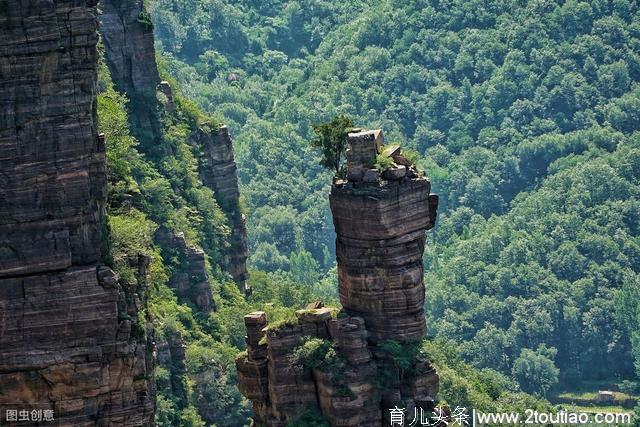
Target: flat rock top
[[375, 133]]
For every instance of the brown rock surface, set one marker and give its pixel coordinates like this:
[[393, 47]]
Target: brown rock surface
[[347, 394], [381, 232], [70, 336], [219, 173]]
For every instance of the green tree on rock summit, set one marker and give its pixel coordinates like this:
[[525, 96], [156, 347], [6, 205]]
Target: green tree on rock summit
[[331, 139]]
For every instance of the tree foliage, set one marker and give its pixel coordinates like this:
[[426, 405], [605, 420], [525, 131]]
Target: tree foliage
[[331, 139]]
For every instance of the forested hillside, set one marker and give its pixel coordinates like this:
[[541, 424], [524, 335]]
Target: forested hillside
[[524, 114], [154, 191]]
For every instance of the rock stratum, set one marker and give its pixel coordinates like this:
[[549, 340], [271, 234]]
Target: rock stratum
[[338, 363], [71, 337]]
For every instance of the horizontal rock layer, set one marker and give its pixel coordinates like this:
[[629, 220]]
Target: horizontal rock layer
[[70, 342], [381, 232], [70, 337]]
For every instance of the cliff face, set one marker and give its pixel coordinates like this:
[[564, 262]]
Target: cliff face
[[219, 172], [343, 364], [127, 34], [70, 337]]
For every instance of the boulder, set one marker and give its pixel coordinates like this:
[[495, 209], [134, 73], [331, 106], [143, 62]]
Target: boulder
[[395, 173], [371, 176]]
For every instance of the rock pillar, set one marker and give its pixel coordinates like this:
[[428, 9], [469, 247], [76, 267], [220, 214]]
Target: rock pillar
[[343, 365], [219, 172], [381, 229]]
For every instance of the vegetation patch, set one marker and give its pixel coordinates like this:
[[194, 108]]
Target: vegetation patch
[[145, 19], [383, 162], [316, 353], [288, 319], [331, 139]]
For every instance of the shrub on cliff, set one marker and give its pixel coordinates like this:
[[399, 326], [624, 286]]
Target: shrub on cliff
[[316, 353], [309, 418]]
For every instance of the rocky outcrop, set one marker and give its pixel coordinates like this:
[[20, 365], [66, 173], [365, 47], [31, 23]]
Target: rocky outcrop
[[127, 35], [219, 172], [71, 339], [353, 386], [344, 365], [190, 279]]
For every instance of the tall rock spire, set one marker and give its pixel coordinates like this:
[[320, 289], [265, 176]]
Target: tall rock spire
[[219, 172], [341, 364], [380, 226]]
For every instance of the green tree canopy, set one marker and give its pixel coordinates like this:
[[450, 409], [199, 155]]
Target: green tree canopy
[[331, 139], [535, 370]]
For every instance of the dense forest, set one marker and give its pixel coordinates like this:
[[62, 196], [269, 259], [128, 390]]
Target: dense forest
[[525, 115]]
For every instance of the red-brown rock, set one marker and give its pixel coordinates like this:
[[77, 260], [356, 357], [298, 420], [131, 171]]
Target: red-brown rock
[[70, 338], [219, 173]]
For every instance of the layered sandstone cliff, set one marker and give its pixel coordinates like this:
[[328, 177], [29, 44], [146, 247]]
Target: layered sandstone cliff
[[71, 339], [219, 172], [344, 364]]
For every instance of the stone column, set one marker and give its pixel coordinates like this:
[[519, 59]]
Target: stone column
[[380, 225], [219, 172]]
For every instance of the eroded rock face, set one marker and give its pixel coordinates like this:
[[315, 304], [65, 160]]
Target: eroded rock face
[[219, 173], [380, 221], [379, 245], [191, 280], [70, 336], [127, 34]]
